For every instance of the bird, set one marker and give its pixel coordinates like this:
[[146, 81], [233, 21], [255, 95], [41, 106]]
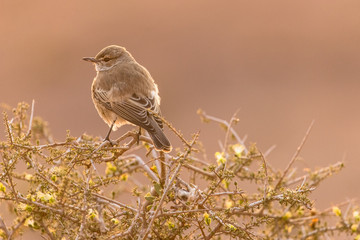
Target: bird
[[124, 92]]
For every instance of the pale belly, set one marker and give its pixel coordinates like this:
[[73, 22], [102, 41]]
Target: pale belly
[[109, 116]]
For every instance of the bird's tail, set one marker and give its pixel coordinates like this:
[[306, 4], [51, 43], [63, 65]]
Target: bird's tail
[[159, 139]]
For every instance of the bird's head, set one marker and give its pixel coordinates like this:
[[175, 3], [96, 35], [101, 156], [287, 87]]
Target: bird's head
[[109, 57]]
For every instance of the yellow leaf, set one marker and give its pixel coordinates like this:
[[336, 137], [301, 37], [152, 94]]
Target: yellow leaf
[[170, 224], [154, 168], [207, 218], [356, 216], [110, 168], [2, 188], [287, 215], [336, 211], [354, 228], [92, 214], [220, 159], [124, 177], [238, 149], [115, 221], [228, 204], [29, 222]]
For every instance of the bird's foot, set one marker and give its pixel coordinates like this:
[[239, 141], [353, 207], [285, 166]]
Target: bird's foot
[[107, 139], [138, 134]]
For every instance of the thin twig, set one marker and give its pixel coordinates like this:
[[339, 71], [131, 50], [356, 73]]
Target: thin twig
[[161, 201], [215, 119], [177, 133], [267, 152], [199, 170], [85, 207], [173, 177], [201, 228], [31, 118], [162, 168], [143, 165], [8, 174], [266, 182], [46, 229], [4, 228], [188, 211], [8, 128], [52, 209], [114, 202], [323, 229], [232, 121], [295, 156], [17, 226], [238, 210]]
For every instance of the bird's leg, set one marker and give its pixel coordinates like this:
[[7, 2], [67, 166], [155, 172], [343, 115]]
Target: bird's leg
[[138, 136], [107, 138]]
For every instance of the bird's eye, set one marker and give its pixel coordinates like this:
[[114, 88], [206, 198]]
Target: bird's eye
[[107, 59]]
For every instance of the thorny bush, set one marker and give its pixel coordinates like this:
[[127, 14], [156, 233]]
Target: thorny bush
[[84, 188]]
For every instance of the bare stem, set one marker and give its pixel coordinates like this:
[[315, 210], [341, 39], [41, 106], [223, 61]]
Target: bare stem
[[31, 118], [296, 154]]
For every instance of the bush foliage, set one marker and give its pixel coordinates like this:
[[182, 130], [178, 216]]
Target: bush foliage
[[84, 188]]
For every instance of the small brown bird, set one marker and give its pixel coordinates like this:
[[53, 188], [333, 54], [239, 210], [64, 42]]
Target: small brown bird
[[123, 91]]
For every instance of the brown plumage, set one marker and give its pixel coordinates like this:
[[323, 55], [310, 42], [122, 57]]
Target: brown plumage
[[123, 90]]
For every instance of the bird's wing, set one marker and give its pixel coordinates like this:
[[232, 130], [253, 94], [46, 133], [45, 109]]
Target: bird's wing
[[132, 109], [148, 103], [102, 96]]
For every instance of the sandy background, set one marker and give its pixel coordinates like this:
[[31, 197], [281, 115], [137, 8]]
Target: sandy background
[[283, 63]]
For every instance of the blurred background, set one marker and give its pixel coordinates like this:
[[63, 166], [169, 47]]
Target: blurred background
[[282, 63]]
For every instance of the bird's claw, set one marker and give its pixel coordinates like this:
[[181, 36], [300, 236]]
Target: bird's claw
[[107, 139], [138, 134]]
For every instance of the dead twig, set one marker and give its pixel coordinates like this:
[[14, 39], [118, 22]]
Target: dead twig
[[233, 120], [206, 117], [31, 118], [177, 133], [172, 178], [296, 154]]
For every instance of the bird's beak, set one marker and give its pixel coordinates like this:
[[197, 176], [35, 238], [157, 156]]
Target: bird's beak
[[90, 59]]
